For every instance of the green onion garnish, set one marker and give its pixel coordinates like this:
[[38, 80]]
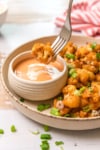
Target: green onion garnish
[[55, 111], [45, 145], [22, 99], [93, 45], [45, 136], [36, 132], [72, 73], [70, 56], [60, 98], [59, 143], [1, 131], [13, 128], [70, 66], [80, 91], [98, 56], [46, 128], [42, 107], [86, 108]]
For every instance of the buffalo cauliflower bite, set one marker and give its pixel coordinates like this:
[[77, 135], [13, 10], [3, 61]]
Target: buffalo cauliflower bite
[[42, 52]]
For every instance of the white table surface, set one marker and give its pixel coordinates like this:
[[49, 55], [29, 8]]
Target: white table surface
[[12, 36]]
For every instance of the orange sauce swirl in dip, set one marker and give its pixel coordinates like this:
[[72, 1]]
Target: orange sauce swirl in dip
[[30, 69]]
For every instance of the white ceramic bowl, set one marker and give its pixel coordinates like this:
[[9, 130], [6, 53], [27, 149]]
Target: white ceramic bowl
[[3, 13], [35, 90]]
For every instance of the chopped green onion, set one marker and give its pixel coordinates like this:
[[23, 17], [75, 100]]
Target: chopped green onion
[[77, 92], [45, 136], [70, 56], [93, 45], [45, 145], [72, 73], [36, 132], [46, 128], [88, 84], [13, 128], [86, 108], [1, 131], [60, 98], [61, 148], [70, 66], [90, 89], [42, 107], [59, 143], [55, 111], [98, 56], [71, 115], [80, 91], [67, 115], [22, 99]]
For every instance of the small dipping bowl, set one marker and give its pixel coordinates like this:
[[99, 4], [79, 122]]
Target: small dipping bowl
[[36, 90]]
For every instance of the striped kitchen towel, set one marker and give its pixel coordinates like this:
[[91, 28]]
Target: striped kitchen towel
[[85, 17]]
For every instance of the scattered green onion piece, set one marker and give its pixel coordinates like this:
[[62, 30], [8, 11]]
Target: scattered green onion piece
[[47, 106], [86, 108], [98, 56], [93, 45], [36, 132], [1, 131], [45, 136], [42, 107], [70, 56], [90, 89], [70, 66], [55, 111], [22, 99], [13, 128], [88, 84], [77, 92], [71, 115], [45, 145], [61, 148], [82, 89], [72, 73], [59, 143], [60, 98], [46, 128], [67, 115]]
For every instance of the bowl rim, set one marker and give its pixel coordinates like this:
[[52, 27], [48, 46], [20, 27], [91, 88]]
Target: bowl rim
[[65, 70]]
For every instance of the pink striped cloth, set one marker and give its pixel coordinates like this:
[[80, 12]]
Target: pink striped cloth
[[85, 17]]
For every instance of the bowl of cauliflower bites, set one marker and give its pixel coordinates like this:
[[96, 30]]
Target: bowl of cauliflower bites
[[64, 92]]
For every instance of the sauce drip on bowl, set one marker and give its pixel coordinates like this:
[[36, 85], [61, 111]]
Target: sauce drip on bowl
[[30, 69]]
